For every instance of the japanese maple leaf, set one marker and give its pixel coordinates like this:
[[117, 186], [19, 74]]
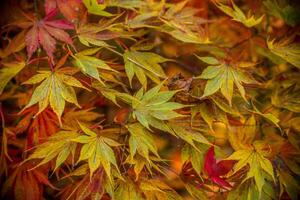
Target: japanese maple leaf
[[72, 10], [56, 87], [37, 128], [25, 184], [45, 31], [216, 169]]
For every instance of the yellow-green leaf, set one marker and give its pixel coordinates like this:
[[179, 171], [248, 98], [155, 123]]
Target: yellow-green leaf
[[258, 164], [55, 89], [59, 145], [290, 52], [153, 105], [144, 64], [223, 77], [89, 65], [96, 8], [141, 141], [97, 152], [8, 72], [237, 14]]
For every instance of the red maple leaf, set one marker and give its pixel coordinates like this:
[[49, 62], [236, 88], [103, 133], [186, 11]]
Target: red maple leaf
[[45, 31], [72, 10], [216, 169], [25, 183], [37, 128]]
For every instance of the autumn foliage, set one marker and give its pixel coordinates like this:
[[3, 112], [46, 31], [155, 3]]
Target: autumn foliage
[[150, 99]]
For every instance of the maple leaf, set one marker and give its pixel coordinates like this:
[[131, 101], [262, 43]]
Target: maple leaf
[[248, 191], [96, 187], [143, 65], [128, 4], [98, 34], [127, 190], [241, 137], [85, 116], [146, 15], [89, 65], [195, 192], [37, 128], [287, 98], [194, 155], [152, 105], [55, 88], [151, 189], [192, 137], [237, 14], [96, 149], [8, 72], [15, 45], [216, 169], [139, 162], [44, 32], [213, 112], [290, 52], [72, 10], [157, 189], [96, 8], [59, 146], [182, 23], [141, 141], [268, 116], [222, 76], [26, 184], [259, 166]]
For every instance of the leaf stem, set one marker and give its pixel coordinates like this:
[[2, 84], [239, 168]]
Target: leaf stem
[[2, 116], [110, 49], [36, 8]]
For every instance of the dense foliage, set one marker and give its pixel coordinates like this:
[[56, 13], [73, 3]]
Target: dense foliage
[[150, 99]]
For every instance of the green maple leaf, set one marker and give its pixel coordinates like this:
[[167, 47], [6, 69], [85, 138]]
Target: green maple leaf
[[8, 72], [258, 164], [182, 23], [194, 155], [153, 105], [141, 141], [290, 52], [154, 109], [98, 34], [59, 146], [89, 65], [97, 151], [127, 190], [195, 192], [222, 77], [128, 4], [143, 65], [147, 15], [249, 191], [288, 98], [55, 88], [96, 8], [190, 136], [237, 14], [157, 189], [139, 162]]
